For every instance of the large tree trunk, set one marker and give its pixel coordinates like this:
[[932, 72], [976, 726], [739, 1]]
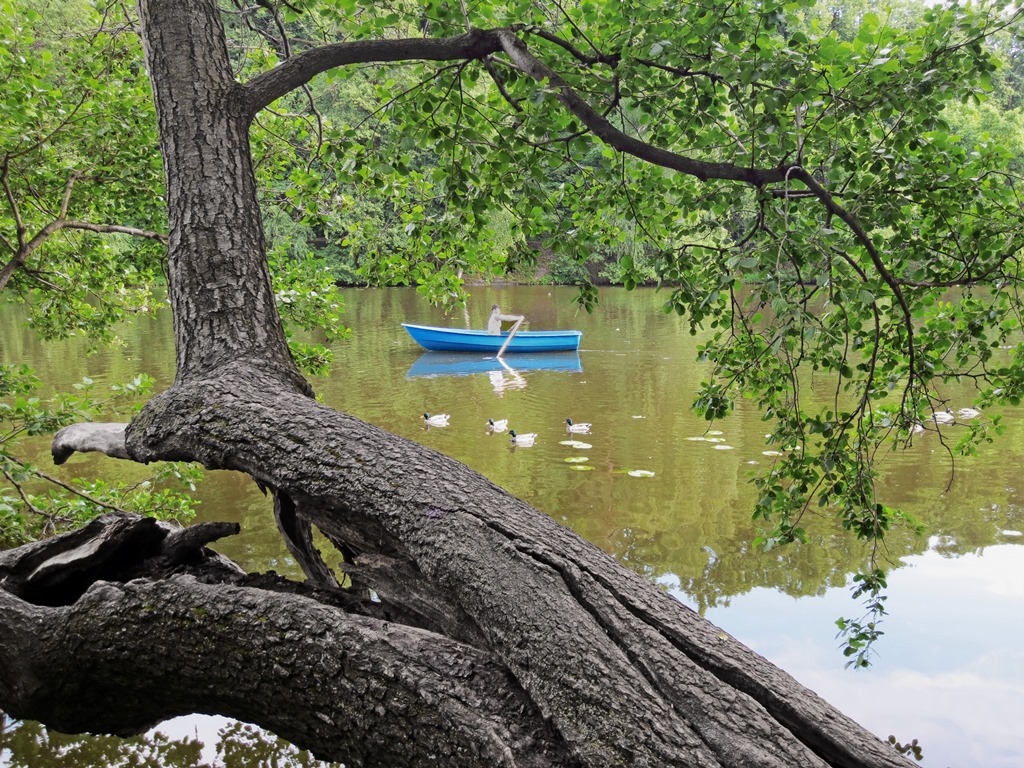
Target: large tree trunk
[[500, 637]]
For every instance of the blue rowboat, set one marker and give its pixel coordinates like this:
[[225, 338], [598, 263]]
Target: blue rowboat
[[456, 340]]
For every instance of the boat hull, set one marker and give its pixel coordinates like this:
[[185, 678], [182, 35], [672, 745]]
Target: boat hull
[[456, 340]]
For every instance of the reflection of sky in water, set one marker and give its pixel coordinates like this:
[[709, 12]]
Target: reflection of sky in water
[[204, 728], [953, 648]]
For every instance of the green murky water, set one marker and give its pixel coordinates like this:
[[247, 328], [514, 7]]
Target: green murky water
[[665, 497]]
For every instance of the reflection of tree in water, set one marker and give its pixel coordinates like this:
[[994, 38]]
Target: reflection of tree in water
[[701, 540], [27, 744], [243, 745], [711, 570]]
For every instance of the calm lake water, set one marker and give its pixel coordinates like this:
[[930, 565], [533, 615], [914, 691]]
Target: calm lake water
[[664, 496]]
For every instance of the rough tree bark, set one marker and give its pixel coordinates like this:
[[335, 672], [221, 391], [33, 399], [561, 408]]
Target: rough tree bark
[[499, 638]]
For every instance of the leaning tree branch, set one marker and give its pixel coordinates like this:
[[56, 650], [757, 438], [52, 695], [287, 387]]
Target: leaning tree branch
[[111, 229], [576, 53], [604, 130], [522, 58], [692, 74], [59, 224], [864, 239], [105, 437], [577, 29], [269, 86], [12, 201], [499, 81], [69, 187]]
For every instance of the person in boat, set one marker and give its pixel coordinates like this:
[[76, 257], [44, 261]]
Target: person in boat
[[496, 319]]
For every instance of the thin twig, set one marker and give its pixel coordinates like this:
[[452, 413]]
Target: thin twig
[[21, 492], [77, 491]]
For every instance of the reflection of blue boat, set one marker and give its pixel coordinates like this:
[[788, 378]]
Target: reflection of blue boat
[[460, 364], [457, 340]]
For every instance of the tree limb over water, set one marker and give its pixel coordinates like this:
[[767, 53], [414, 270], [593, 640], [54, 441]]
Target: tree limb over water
[[588, 664], [105, 437]]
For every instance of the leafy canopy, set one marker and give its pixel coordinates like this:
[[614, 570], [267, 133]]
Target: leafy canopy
[[79, 173]]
